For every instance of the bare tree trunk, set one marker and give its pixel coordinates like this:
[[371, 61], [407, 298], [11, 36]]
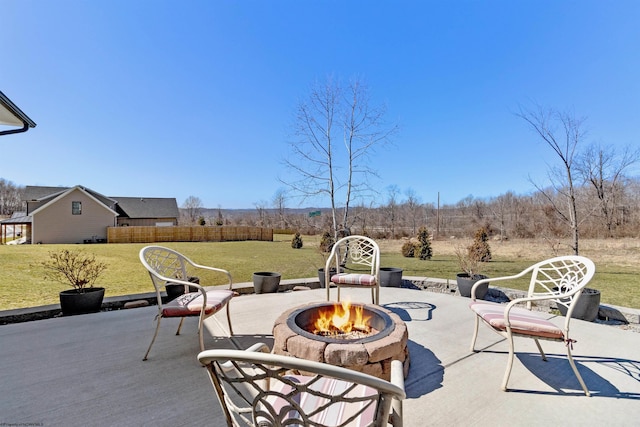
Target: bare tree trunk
[[564, 143]]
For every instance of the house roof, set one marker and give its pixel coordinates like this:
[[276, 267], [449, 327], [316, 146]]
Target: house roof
[[11, 115], [92, 194], [147, 207], [131, 207], [24, 219], [34, 192]]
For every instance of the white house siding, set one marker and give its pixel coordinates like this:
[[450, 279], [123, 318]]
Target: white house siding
[[56, 224]]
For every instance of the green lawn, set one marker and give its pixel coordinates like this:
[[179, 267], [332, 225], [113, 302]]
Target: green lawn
[[22, 281]]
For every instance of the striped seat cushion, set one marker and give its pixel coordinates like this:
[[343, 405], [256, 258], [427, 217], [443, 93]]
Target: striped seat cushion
[[190, 304], [284, 402], [522, 320], [354, 279]]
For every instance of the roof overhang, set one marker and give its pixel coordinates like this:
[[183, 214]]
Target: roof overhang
[[11, 115]]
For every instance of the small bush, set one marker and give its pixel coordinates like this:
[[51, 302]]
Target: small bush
[[408, 249], [74, 267], [326, 242], [424, 249], [296, 242], [479, 249]]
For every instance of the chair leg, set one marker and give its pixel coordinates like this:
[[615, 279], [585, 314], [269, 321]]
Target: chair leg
[[544, 356], [575, 371], [338, 286], [200, 332], [153, 339], [180, 326], [229, 321], [475, 334], [507, 372]]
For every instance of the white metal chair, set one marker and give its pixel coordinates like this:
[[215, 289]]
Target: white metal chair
[[168, 267], [560, 279], [361, 256], [258, 388]]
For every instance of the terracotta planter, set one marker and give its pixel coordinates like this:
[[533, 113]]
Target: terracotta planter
[[465, 283], [74, 302]]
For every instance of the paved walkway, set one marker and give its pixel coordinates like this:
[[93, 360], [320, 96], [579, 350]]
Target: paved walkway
[[87, 370]]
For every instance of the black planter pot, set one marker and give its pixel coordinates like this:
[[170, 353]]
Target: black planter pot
[[74, 302], [465, 283], [587, 306], [321, 275], [266, 282], [391, 277], [174, 290]]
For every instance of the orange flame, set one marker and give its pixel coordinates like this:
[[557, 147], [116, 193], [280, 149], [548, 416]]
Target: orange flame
[[339, 319]]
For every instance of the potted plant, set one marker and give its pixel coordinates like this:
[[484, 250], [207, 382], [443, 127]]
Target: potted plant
[[266, 282], [471, 268], [81, 271], [587, 305]]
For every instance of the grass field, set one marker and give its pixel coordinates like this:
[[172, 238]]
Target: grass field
[[22, 281]]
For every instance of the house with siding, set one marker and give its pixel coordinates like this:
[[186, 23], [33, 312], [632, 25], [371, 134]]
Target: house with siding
[[81, 215]]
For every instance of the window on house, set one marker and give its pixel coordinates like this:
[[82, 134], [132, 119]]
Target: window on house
[[76, 208]]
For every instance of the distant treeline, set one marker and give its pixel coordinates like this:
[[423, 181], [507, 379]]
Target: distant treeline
[[506, 216]]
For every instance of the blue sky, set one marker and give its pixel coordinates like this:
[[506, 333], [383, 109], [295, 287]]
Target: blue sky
[[174, 99]]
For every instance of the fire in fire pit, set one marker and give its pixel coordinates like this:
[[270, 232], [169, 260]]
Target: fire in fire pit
[[341, 322], [377, 336]]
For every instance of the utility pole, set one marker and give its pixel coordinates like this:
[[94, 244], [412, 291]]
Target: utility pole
[[438, 217]]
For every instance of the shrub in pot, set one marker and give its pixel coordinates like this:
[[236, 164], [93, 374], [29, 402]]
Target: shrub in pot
[[471, 268], [81, 271]]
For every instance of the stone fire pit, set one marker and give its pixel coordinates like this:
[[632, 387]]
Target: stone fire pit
[[372, 355]]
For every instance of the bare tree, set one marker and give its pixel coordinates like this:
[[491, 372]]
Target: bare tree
[[500, 208], [10, 197], [193, 207], [321, 166], [605, 171], [562, 132], [280, 204], [414, 209], [391, 208], [261, 208]]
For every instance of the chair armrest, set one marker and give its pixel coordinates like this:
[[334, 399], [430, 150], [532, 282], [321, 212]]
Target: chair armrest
[[498, 279], [257, 347], [289, 362], [218, 270], [397, 379], [528, 301]]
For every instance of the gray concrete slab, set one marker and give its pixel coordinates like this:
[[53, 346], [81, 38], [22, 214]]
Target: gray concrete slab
[[87, 370]]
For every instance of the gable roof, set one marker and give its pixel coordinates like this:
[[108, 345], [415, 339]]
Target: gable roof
[[35, 192], [57, 196], [147, 207], [130, 207]]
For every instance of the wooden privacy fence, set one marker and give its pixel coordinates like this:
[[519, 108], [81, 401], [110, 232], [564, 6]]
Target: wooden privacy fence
[[197, 233]]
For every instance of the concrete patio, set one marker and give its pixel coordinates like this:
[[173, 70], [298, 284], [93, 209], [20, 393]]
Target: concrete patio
[[87, 370]]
